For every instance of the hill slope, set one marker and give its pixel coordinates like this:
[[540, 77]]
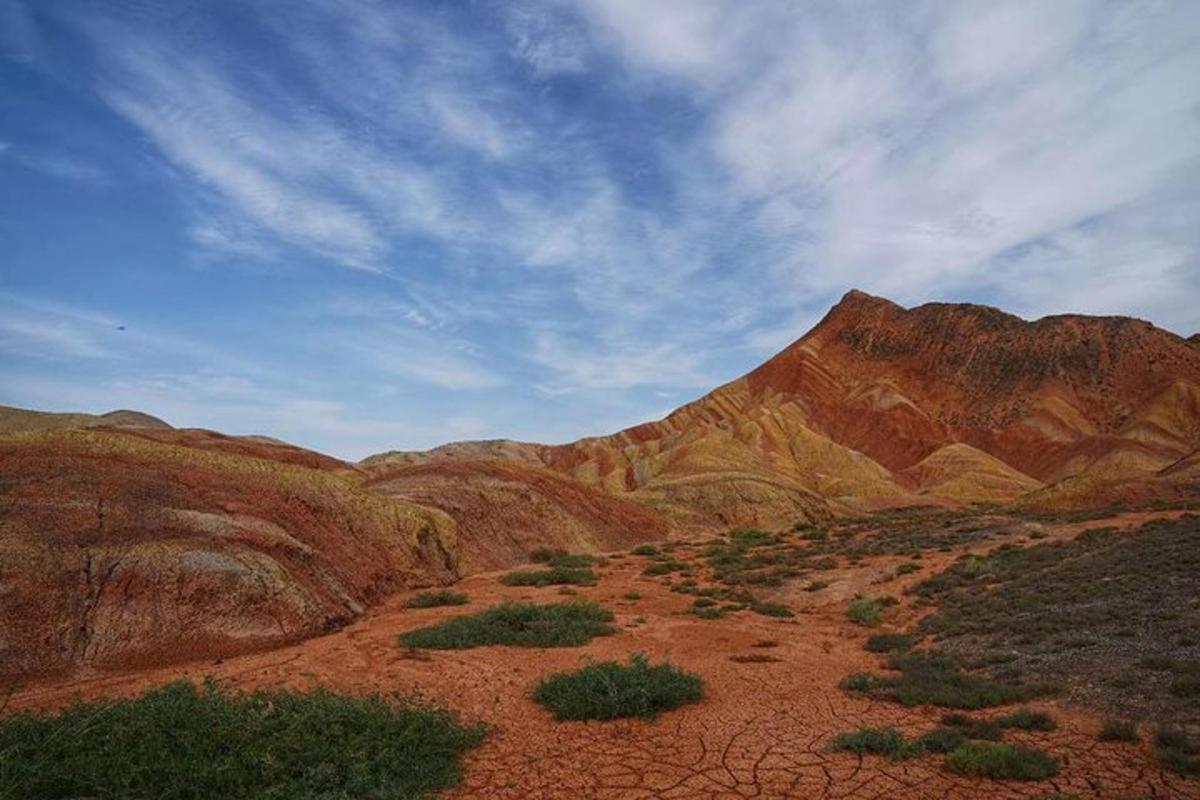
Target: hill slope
[[879, 406]]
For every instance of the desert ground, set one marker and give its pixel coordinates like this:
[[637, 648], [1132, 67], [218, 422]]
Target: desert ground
[[772, 705]]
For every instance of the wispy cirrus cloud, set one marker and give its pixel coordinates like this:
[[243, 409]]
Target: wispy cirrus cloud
[[553, 213]]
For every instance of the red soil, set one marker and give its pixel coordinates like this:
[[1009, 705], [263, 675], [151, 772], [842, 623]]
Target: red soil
[[763, 730]]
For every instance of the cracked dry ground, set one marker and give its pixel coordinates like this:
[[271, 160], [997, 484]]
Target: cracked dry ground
[[763, 730]]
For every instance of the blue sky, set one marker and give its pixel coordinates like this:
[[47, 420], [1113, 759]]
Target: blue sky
[[365, 225]]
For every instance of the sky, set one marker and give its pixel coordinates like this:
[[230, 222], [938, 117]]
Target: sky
[[361, 226]]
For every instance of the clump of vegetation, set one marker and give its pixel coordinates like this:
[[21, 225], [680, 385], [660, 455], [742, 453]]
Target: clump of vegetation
[[181, 742], [907, 568], [645, 550], [754, 658], [928, 678], [1028, 720], [877, 741], [771, 609], [518, 624], [1118, 730], [632, 596], [441, 597], [890, 642], [866, 611], [972, 727], [810, 532], [1004, 761], [1106, 610], [816, 586], [703, 602], [942, 740], [663, 567], [1177, 751], [608, 690], [553, 576], [541, 555]]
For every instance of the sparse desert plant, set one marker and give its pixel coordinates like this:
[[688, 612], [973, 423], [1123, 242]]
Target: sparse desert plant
[[973, 727], [645, 550], [1003, 761], [1028, 720], [877, 741], [632, 596], [1177, 751], [663, 568], [889, 642], [754, 658], [541, 555], [183, 741], [907, 568], [771, 609], [608, 690], [865, 611], [553, 576], [440, 597], [927, 678], [703, 602], [942, 740], [518, 624], [816, 586], [1118, 730]]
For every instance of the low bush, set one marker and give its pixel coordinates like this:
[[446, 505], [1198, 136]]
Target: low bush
[[933, 679], [771, 609], [663, 568], [889, 642], [550, 577], [183, 742], [973, 728], [518, 624], [441, 597], [1004, 761], [1118, 730], [877, 741], [1177, 751], [865, 611], [1028, 720], [816, 586], [632, 596], [942, 740], [645, 550], [608, 690]]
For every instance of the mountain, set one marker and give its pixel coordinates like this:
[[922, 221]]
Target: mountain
[[879, 405]]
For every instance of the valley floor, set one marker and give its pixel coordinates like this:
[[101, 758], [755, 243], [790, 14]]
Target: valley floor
[[763, 730]]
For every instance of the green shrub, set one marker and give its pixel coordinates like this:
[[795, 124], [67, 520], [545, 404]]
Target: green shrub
[[752, 537], [549, 577], [518, 624], [182, 742], [907, 568], [1118, 730], [888, 642], [663, 568], [541, 555], [632, 596], [1177, 752], [645, 550], [771, 609], [941, 740], [1005, 761], [973, 728], [877, 741], [572, 560], [865, 611], [703, 602], [441, 597], [816, 586], [1028, 720], [608, 690], [934, 679]]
